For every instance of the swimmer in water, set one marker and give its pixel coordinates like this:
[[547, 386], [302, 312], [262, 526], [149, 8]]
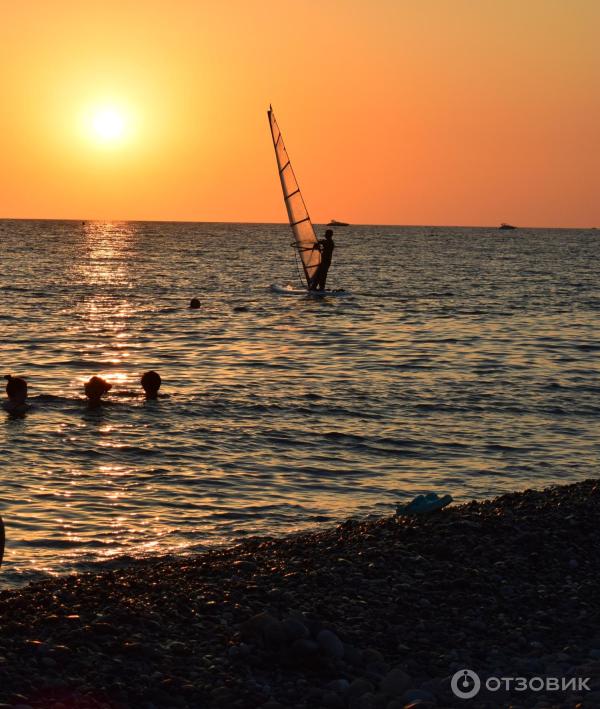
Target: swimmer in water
[[194, 303], [16, 390], [151, 382], [95, 389]]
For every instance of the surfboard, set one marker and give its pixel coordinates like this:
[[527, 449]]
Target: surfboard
[[291, 291]]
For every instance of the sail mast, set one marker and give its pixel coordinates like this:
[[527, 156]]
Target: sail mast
[[304, 235]]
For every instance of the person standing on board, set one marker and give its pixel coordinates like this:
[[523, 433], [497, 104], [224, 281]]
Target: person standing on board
[[326, 247]]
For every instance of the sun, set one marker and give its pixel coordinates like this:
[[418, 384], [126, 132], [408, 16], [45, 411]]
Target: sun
[[108, 125]]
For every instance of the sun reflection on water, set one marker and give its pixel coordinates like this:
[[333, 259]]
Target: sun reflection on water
[[103, 273], [107, 252]]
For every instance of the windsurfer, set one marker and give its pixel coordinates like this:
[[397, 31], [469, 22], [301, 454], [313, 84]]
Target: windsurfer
[[326, 247]]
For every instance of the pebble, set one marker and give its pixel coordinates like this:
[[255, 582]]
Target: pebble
[[340, 686], [418, 695], [244, 566], [378, 669], [396, 682], [365, 701], [330, 644], [353, 655], [331, 700], [304, 649], [294, 629], [358, 687], [371, 655], [265, 629]]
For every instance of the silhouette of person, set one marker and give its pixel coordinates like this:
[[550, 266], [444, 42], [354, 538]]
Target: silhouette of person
[[16, 390], [151, 382], [194, 303], [326, 247], [95, 389]]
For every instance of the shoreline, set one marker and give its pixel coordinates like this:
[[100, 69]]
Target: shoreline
[[365, 615]]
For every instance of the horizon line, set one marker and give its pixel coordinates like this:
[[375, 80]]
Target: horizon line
[[320, 224]]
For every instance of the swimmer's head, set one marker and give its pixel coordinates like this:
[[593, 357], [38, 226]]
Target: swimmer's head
[[328, 233], [96, 387], [151, 382], [194, 303], [16, 388]]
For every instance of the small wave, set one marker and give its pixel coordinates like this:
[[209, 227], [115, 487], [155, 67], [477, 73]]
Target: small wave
[[91, 364], [53, 398], [15, 289], [588, 347]]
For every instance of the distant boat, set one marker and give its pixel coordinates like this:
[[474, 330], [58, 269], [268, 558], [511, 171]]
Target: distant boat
[[504, 225], [334, 222]]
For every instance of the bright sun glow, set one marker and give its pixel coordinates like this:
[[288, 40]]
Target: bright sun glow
[[108, 124]]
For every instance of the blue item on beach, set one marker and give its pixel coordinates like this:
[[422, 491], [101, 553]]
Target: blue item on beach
[[423, 504]]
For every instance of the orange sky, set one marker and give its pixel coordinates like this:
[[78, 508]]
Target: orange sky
[[393, 111]]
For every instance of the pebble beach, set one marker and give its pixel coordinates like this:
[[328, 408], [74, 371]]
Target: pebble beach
[[369, 614]]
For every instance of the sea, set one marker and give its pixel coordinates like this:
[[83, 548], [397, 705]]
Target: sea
[[456, 360]]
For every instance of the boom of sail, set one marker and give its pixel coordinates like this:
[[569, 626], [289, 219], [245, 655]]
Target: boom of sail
[[304, 235]]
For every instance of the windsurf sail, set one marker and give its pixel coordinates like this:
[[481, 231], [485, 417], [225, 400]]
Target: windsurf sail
[[305, 240]]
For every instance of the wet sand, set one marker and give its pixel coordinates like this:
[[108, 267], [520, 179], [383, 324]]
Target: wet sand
[[365, 615]]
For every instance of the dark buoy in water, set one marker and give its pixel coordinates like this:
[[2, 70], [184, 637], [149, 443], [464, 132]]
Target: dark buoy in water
[[194, 303]]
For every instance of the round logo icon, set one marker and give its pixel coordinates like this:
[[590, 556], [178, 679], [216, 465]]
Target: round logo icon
[[465, 684]]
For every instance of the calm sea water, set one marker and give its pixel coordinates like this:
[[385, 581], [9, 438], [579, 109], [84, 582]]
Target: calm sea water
[[461, 360]]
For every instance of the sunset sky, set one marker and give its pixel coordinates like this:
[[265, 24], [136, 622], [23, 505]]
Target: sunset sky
[[393, 111]]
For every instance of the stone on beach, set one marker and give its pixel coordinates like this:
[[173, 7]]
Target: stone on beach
[[396, 682], [304, 649], [294, 629], [265, 629], [358, 687], [330, 644]]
